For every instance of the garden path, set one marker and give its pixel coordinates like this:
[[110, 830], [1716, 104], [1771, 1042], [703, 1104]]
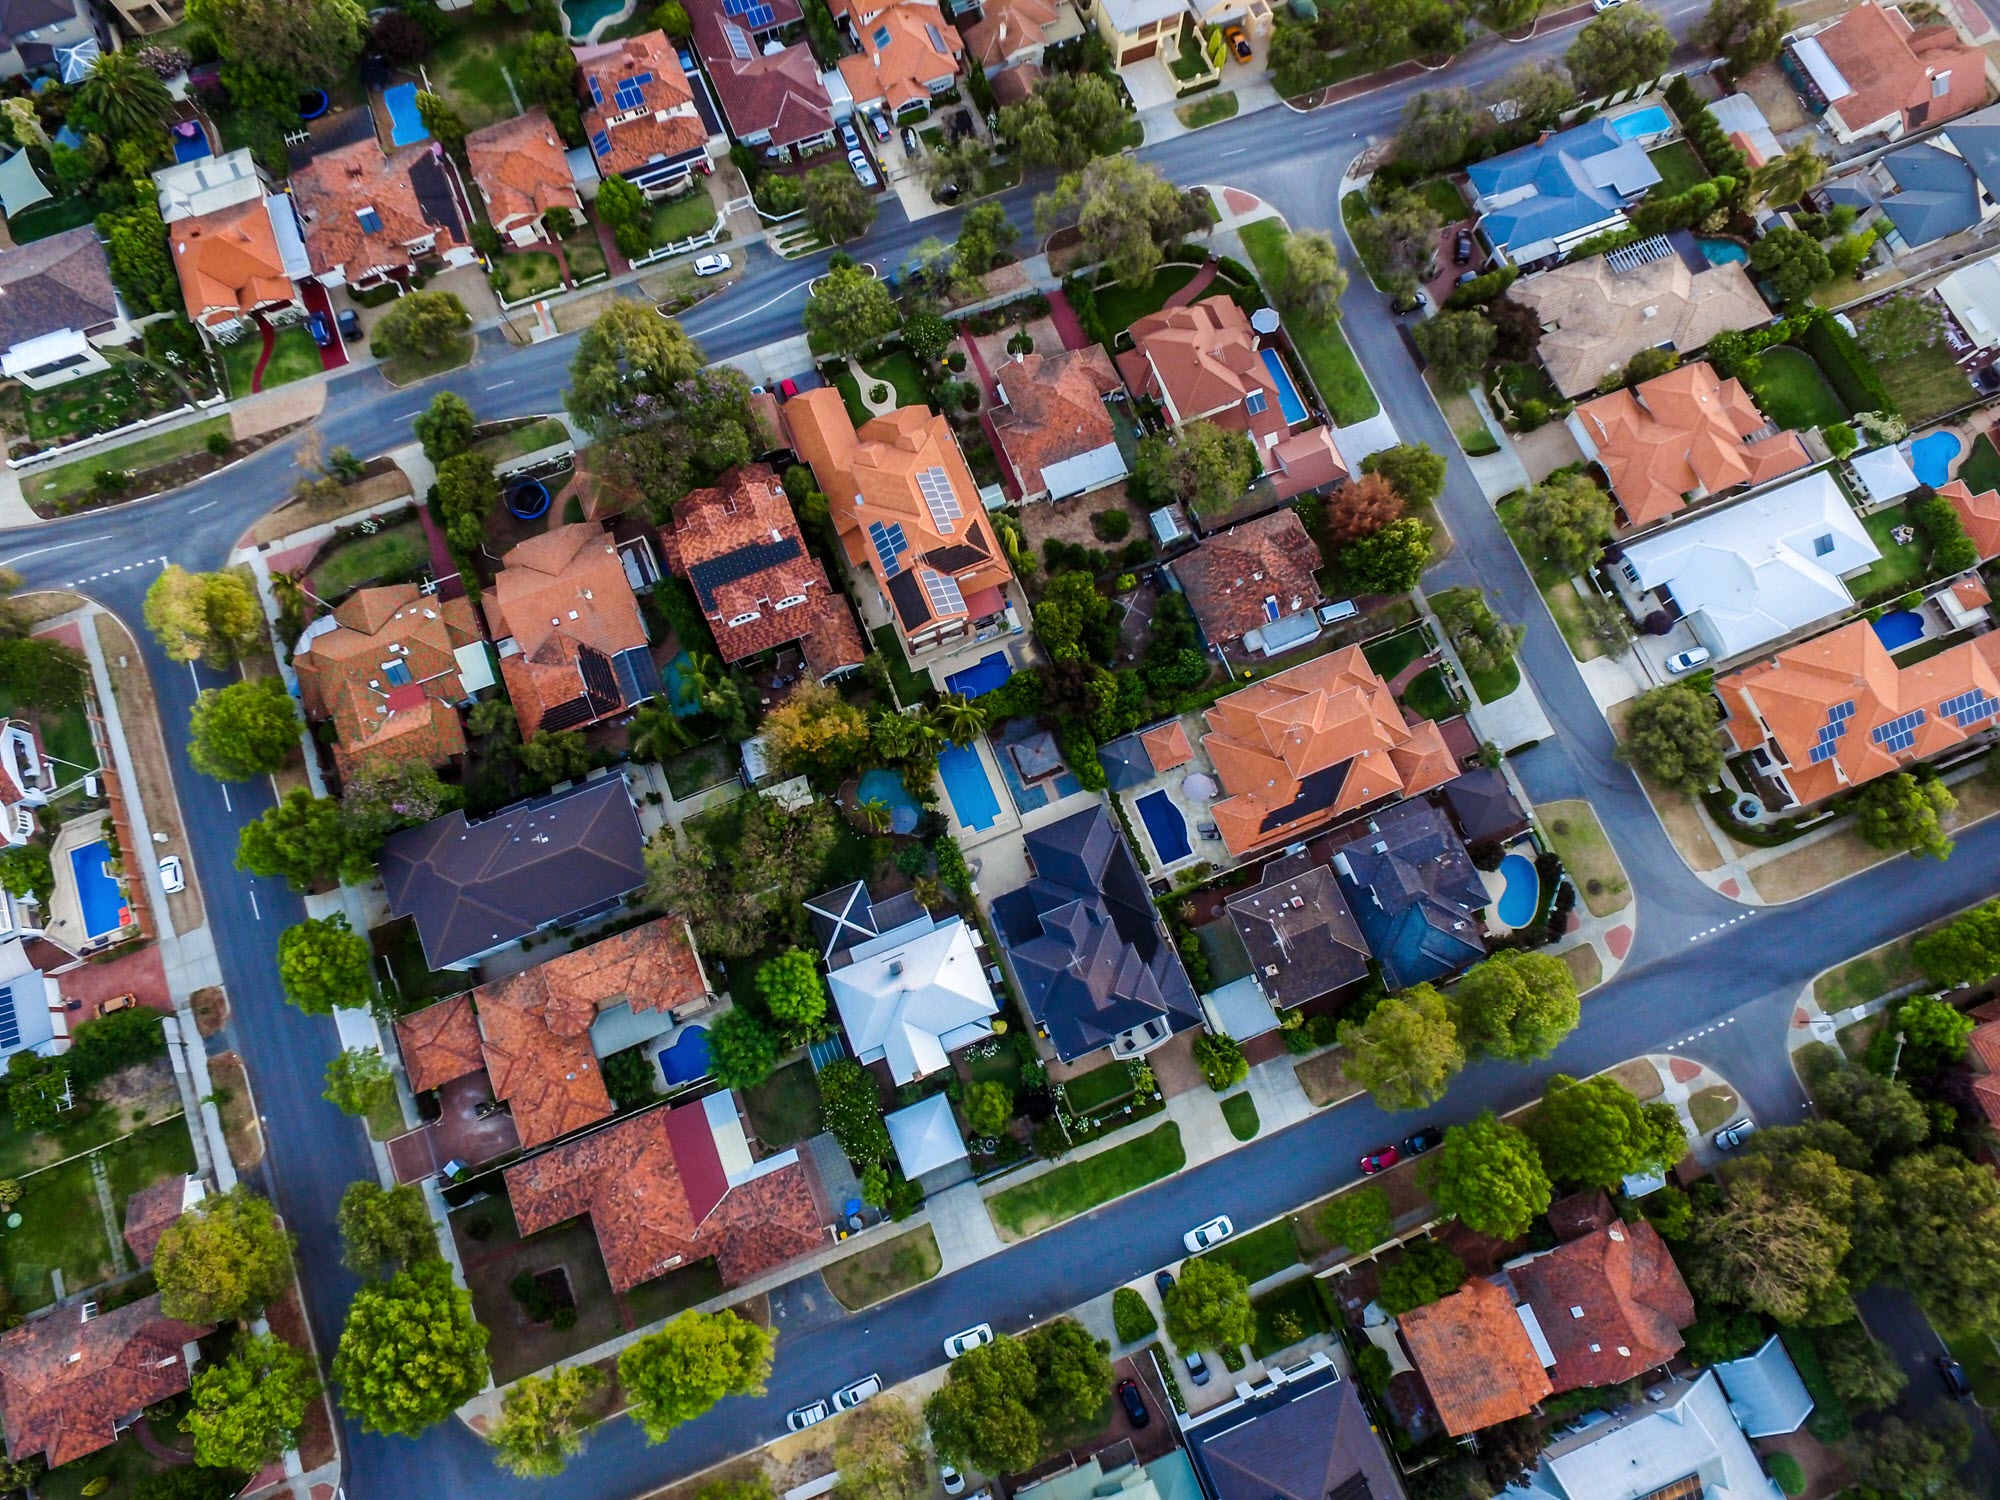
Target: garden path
[[120, 1261], [1195, 287], [270, 337]]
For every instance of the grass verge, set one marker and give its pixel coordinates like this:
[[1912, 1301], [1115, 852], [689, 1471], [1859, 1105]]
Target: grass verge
[[1324, 348], [1083, 1185], [881, 1271], [1240, 1110], [1588, 856], [1261, 1252], [77, 477], [408, 369]]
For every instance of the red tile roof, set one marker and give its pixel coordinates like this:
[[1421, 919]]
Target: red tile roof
[[439, 1043], [1230, 575], [778, 92], [661, 122], [229, 264], [1167, 746], [555, 594], [521, 169], [1611, 1305], [1894, 69], [1979, 514], [343, 675], [1203, 361], [336, 189], [1475, 1357], [1007, 28], [67, 1382], [906, 46], [1054, 411]]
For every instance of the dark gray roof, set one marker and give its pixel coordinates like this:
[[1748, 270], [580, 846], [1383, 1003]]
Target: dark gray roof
[[1302, 940], [1085, 941], [1483, 805], [848, 917], [1126, 763], [473, 887], [435, 197], [1940, 195], [1306, 1441], [48, 285], [745, 561], [18, 16], [1977, 139], [1410, 853]]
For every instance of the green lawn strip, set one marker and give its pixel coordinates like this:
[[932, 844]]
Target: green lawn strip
[[785, 1107], [1103, 1085], [1212, 110], [145, 1157], [61, 1229], [883, 1270], [1712, 1107], [1391, 654], [1679, 168], [408, 369], [1976, 1351], [53, 217], [543, 434], [1496, 684], [1901, 567], [1429, 696], [1261, 1252], [1981, 469], [1791, 390], [1324, 348], [911, 687], [521, 274], [1441, 195], [1927, 384], [895, 369], [385, 1120], [1585, 852], [76, 476], [1240, 1110], [1354, 211], [584, 254], [348, 564], [1124, 303], [294, 356], [1297, 1299], [683, 218], [1080, 1186]]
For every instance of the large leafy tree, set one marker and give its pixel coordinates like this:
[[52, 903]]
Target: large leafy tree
[[1901, 324], [1075, 622], [627, 365], [1407, 1051], [1438, 128], [1415, 470], [986, 238], [1906, 812], [1398, 239], [703, 426], [792, 990], [385, 1228], [742, 1050], [1748, 33], [546, 70], [243, 730], [1932, 1033], [732, 893], [1946, 1213], [1425, 1272], [411, 1352], [1913, 1460], [1595, 1132], [983, 1417], [1670, 736], [1456, 345], [544, 1420], [248, 1409], [445, 427], [1390, 560], [1620, 48], [1313, 280], [1488, 1173], [223, 1260], [1072, 1375], [837, 206], [135, 242], [325, 965], [309, 43], [1517, 1004], [1203, 466], [1070, 118], [212, 617], [1778, 1242], [304, 840], [1882, 1113], [466, 491], [1358, 1220], [1567, 519], [849, 310], [1126, 212], [1862, 1370], [1964, 951], [422, 325], [675, 1375], [1792, 262], [384, 794], [1209, 1307], [357, 1080]]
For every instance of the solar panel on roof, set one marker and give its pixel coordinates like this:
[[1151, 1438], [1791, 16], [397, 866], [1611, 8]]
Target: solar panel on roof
[[942, 500], [10, 1024], [735, 7], [1828, 733], [1969, 708], [596, 94], [642, 79], [1840, 712], [601, 143], [738, 42], [760, 16], [638, 675], [629, 94], [568, 715], [881, 38], [937, 40], [1823, 751], [942, 591], [890, 545], [1903, 727]]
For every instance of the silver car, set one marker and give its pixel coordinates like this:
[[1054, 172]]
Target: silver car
[[1734, 1134], [807, 1416], [850, 1396], [862, 170]]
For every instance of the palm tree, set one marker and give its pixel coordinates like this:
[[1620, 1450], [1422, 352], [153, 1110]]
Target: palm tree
[[699, 674], [126, 95], [1791, 176], [875, 814], [656, 734], [958, 719]]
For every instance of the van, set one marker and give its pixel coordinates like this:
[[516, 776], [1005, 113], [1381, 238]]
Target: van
[[1333, 614]]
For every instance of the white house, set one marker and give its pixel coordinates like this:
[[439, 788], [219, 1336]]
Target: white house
[[1680, 1439], [913, 996]]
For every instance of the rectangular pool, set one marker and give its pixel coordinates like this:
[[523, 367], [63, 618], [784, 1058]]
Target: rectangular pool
[[1166, 826], [965, 783], [406, 123], [982, 677], [1288, 394], [98, 890], [1642, 124]]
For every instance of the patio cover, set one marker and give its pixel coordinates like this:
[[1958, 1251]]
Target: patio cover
[[1239, 1009], [1884, 473], [925, 1136], [75, 62], [19, 186], [291, 242]]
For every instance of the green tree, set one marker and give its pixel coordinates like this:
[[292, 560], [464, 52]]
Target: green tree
[[1911, 1460], [1209, 1307], [1399, 239], [1620, 48], [248, 1409], [792, 990], [1426, 1272], [1787, 178], [675, 1375], [1900, 325], [1535, 92], [1126, 212], [1407, 1051], [1566, 520], [628, 362], [1072, 1375], [382, 795], [466, 490], [385, 1228], [1595, 1132], [1670, 737], [223, 1260], [324, 965], [986, 239], [1391, 560], [446, 427], [626, 213], [303, 839], [422, 325], [1965, 951], [39, 1096], [243, 730], [1862, 1370], [1846, 256], [212, 617], [1483, 641], [1221, 1061], [25, 870], [926, 335], [1412, 469], [357, 1080], [982, 1416], [1906, 812], [1438, 128], [1882, 1113], [544, 1420], [308, 43], [742, 1050], [1456, 345], [1777, 1241], [879, 1454], [1070, 118], [1517, 1004], [988, 1107], [43, 672], [852, 1108], [1946, 1212], [446, 126], [411, 1352], [1792, 262], [1488, 1173], [1748, 34], [837, 206], [135, 242], [1357, 1220], [1074, 621], [849, 310], [125, 96], [1203, 466], [546, 70]]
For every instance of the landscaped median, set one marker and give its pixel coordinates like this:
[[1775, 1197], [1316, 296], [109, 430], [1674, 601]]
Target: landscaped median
[[1077, 1187]]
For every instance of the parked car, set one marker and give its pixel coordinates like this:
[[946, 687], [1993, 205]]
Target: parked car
[[951, 1479], [788, 388], [1340, 609], [1953, 1375], [1208, 1236], [1163, 1281], [1461, 249], [1197, 1368], [1464, 276], [964, 1343], [349, 322], [320, 329], [1427, 1139], [1734, 1134], [172, 876], [807, 1416], [850, 1396], [878, 124], [946, 193], [712, 265], [849, 136], [1687, 661], [861, 168], [911, 145], [117, 1003], [1417, 301], [1238, 42], [1134, 1403], [1600, 6], [1379, 1160]]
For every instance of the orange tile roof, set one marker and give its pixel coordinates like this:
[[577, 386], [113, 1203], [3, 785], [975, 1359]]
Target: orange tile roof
[[1230, 575], [440, 1043], [67, 1381], [906, 46], [1971, 592], [555, 594], [1987, 1091], [336, 187], [662, 123], [1304, 461], [1311, 743], [1475, 1357], [1685, 432], [1204, 361], [1984, 1040], [1787, 701], [1892, 69], [1054, 411], [521, 169], [1979, 514], [1611, 1305], [1007, 27], [149, 1213], [1167, 746], [229, 264], [343, 675]]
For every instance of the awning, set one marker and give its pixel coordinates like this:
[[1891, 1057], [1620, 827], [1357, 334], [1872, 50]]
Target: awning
[[19, 186], [1832, 82], [285, 230], [43, 353]]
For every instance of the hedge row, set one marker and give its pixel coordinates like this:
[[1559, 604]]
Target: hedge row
[[1851, 373], [1704, 132]]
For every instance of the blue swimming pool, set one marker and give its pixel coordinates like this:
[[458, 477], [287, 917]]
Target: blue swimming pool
[[1166, 825], [982, 677], [98, 890], [687, 1059], [1931, 456], [1899, 628], [1641, 123], [406, 125], [1523, 892], [887, 787], [190, 142], [965, 783], [584, 14], [1288, 394], [1721, 252]]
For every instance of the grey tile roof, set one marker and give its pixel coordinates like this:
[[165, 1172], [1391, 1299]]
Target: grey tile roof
[[1939, 197], [1302, 939], [48, 285], [1308, 1441]]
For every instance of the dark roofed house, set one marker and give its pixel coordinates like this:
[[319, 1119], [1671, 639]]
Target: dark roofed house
[[1483, 806], [1310, 1439], [58, 309], [1610, 1304], [72, 1380], [1413, 889], [770, 98], [475, 888], [1302, 940], [1087, 946]]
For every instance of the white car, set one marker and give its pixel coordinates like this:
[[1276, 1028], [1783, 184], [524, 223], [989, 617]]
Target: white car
[[951, 1479], [807, 1416], [172, 876], [861, 168], [850, 1396], [966, 1342], [1208, 1236], [1601, 6], [1734, 1134], [712, 265], [1687, 661]]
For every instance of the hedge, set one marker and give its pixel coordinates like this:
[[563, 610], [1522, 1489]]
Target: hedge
[[1483, 289], [1850, 372], [1704, 132]]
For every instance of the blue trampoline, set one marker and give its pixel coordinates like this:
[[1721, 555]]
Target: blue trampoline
[[887, 788], [1166, 826], [982, 677], [529, 500], [687, 1059], [406, 122]]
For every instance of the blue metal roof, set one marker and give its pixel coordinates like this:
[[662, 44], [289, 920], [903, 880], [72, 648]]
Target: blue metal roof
[[1568, 182], [1939, 197]]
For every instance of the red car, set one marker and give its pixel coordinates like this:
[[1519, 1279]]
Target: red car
[[1379, 1161], [788, 388]]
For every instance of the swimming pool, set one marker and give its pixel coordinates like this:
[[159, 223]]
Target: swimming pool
[[1523, 892], [887, 787], [687, 1058], [982, 677], [1899, 628], [1721, 252], [190, 142], [965, 783], [98, 890], [584, 14], [1166, 825], [1931, 456], [1288, 394], [406, 124], [1641, 123]]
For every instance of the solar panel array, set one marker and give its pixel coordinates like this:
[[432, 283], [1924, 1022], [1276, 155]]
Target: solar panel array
[[755, 13], [890, 545], [631, 92], [596, 93], [1255, 403], [10, 1024], [938, 495], [601, 143], [1899, 733], [1830, 732], [1970, 707], [942, 590], [738, 42], [937, 40]]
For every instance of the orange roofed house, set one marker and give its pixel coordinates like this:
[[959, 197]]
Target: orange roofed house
[[639, 112], [232, 271], [369, 215], [1252, 586], [739, 547], [909, 53], [71, 1381], [522, 172], [1979, 514], [1685, 435], [1205, 361], [391, 668], [1311, 744], [1872, 73], [910, 516], [1836, 711], [1054, 431], [572, 645], [1606, 1307], [1473, 1350]]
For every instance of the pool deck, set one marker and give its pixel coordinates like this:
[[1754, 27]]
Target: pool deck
[[1192, 810], [66, 925], [1005, 821]]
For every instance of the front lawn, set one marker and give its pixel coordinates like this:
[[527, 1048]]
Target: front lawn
[[1123, 303], [1213, 109], [1240, 1111], [1442, 195], [884, 1270], [67, 481], [1429, 696], [494, 1254], [294, 356], [1324, 348], [1679, 168], [1260, 1253], [1902, 566], [408, 369], [1790, 389], [521, 274], [1926, 384], [1297, 1300], [1981, 469], [1391, 654], [1099, 1088], [677, 1291], [545, 433], [784, 1108], [1588, 856], [1712, 1107], [584, 254], [391, 554], [1080, 1186], [1494, 685], [682, 218]]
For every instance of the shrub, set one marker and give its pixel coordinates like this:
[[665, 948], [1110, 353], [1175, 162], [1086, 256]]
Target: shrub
[[1786, 1472], [217, 443], [1110, 525], [1130, 1316], [1221, 1061]]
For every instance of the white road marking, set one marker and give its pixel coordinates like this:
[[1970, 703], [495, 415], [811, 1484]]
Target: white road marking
[[206, 504], [499, 385], [406, 416], [253, 904], [1694, 1035], [1237, 152], [144, 562], [1720, 926], [227, 805], [752, 312], [6, 562]]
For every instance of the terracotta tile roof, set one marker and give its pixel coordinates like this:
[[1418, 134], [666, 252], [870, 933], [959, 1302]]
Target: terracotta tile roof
[[1581, 1213], [1008, 27], [67, 1382], [1167, 746], [1611, 1305], [778, 92], [1984, 1040], [906, 46], [1979, 514], [1308, 744], [658, 1196], [150, 1211], [229, 264], [339, 193], [1054, 411], [521, 169], [1685, 432], [557, 595], [1893, 69], [1304, 461], [660, 120], [439, 1043], [1986, 1090], [1015, 84], [1971, 592], [1595, 319], [1475, 1358], [1204, 361], [1843, 690], [344, 675], [1230, 577]]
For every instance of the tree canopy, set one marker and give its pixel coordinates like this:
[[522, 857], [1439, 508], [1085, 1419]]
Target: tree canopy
[[675, 1375], [1407, 1051], [1456, 345], [1070, 118], [1127, 213], [1517, 1004], [544, 1421], [385, 1228], [1595, 1132], [1488, 1173], [1618, 49], [325, 965], [1414, 470], [1748, 33], [1000, 1401], [1425, 1272], [1567, 519], [1906, 812], [422, 325], [1203, 466], [212, 617], [246, 729], [836, 204], [249, 1408], [223, 1260], [626, 367], [1670, 736], [308, 43], [1209, 1306], [411, 1352], [849, 310]]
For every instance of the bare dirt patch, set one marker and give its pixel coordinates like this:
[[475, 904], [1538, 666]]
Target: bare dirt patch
[[238, 1110], [1585, 966], [1324, 1082], [1768, 86], [46, 604], [385, 482], [1803, 871], [1640, 1077], [144, 1092], [138, 711], [211, 1009], [1070, 521]]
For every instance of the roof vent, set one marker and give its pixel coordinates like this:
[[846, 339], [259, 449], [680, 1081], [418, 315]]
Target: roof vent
[[1271, 971], [1576, 1312], [1616, 1234], [1596, 1348], [895, 966], [1623, 1352], [1298, 903], [1381, 847]]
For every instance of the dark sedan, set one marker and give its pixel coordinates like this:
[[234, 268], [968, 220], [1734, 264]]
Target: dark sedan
[[1134, 1403], [1427, 1139]]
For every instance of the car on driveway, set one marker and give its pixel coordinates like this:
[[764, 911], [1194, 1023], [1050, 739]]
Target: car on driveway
[[1952, 1373], [966, 1342], [911, 146], [1687, 661], [807, 1416], [1163, 1281], [1461, 248], [1134, 1403], [850, 1396], [861, 168], [1208, 1236], [1238, 42], [878, 124], [788, 388], [849, 136], [712, 265], [1427, 1139], [1734, 1134], [1197, 1367], [951, 1479], [117, 1003], [349, 322], [1417, 301], [320, 329], [172, 876], [1379, 1160]]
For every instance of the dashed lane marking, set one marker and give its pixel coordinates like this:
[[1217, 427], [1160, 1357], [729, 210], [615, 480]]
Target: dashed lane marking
[[1694, 1035], [144, 562], [1695, 937]]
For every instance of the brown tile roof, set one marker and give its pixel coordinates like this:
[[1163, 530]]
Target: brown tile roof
[[556, 593], [1790, 698], [1685, 432], [60, 282], [1231, 575], [1979, 514], [658, 1196], [1167, 746], [1581, 1213], [1892, 69], [1972, 592], [1054, 411], [1008, 27], [1595, 318], [1984, 1040], [1304, 461], [439, 1043], [229, 264], [1611, 1305], [343, 675], [778, 92], [906, 46], [66, 1382], [662, 123], [1475, 1357], [521, 169], [150, 1211], [337, 187], [1315, 741], [1015, 84]]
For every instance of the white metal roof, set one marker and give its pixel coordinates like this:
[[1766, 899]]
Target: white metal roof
[[1884, 473], [925, 1136], [911, 996], [191, 188]]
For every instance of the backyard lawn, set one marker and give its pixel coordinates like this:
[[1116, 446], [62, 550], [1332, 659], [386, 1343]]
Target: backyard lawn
[[911, 687], [882, 1270], [1981, 469], [1679, 168], [143, 1158], [511, 444], [65, 736], [1902, 566], [1328, 359], [52, 217], [785, 1107], [61, 1230], [390, 553], [1211, 110], [682, 218], [1588, 856], [1791, 391], [469, 69], [1260, 1253], [521, 274], [1124, 303], [1926, 384], [1081, 1186], [1299, 1300], [1442, 195], [294, 356]]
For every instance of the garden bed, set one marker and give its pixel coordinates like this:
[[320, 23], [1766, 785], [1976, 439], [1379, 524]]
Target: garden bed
[[894, 369], [1298, 1300], [884, 1270], [161, 461], [130, 391]]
